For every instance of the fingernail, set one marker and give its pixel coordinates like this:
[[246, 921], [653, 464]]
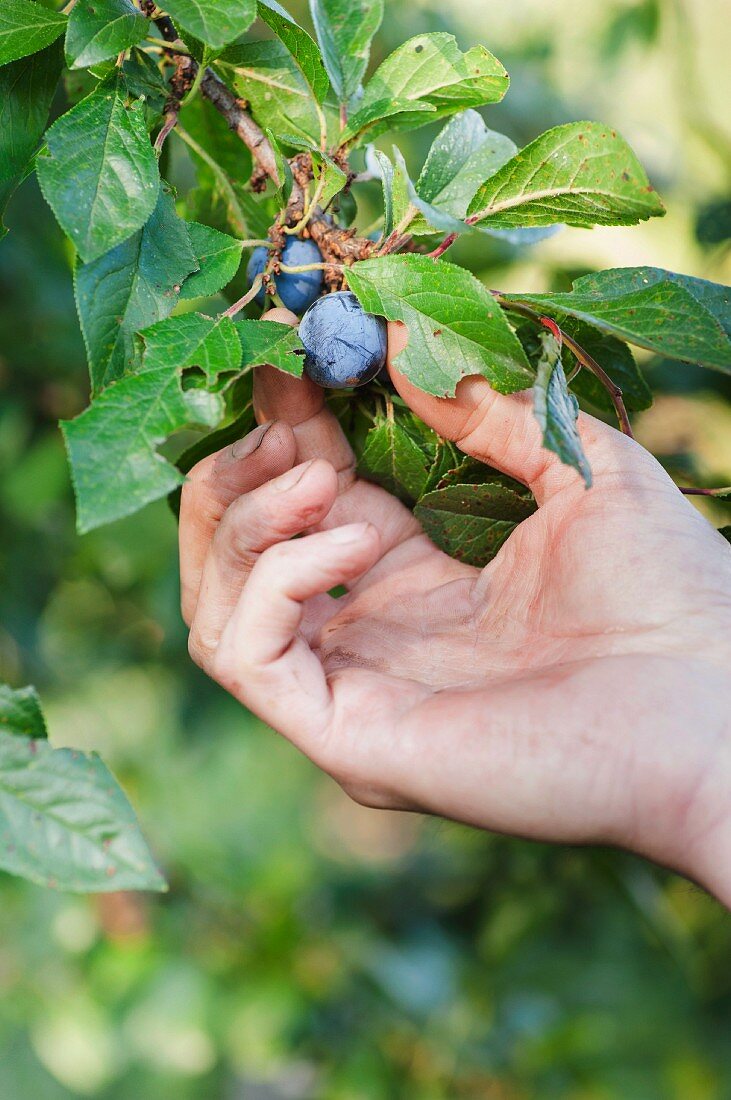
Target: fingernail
[[352, 532], [288, 481], [242, 448]]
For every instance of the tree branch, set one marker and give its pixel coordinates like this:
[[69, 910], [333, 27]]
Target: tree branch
[[241, 122], [223, 99]]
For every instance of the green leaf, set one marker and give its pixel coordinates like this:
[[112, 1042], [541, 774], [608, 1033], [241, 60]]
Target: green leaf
[[462, 156], [201, 119], [66, 823], [520, 238], [470, 471], [279, 97], [726, 532], [124, 425], [329, 176], [26, 28], [394, 458], [214, 22], [222, 164], [20, 713], [674, 315], [323, 165], [145, 81], [583, 174], [388, 114], [219, 257], [101, 178], [269, 342], [98, 29], [385, 168], [429, 72], [456, 327], [26, 91], [557, 410], [471, 522], [613, 355], [409, 203], [131, 287], [193, 341], [302, 48], [345, 29], [231, 207], [284, 169], [446, 458]]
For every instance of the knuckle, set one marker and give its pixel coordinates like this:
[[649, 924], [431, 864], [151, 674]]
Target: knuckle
[[197, 478], [273, 559], [226, 669], [363, 794], [233, 538], [185, 609], [198, 650]]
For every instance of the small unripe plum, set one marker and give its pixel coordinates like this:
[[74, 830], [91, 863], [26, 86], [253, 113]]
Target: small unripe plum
[[299, 289], [344, 345]]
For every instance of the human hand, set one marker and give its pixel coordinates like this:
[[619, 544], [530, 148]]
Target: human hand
[[577, 689]]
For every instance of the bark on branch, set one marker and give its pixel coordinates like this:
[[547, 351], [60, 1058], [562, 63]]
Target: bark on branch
[[220, 95], [241, 122]]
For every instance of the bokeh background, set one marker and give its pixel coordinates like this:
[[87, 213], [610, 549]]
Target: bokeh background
[[310, 949]]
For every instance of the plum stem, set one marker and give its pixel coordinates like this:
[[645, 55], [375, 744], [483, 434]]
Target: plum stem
[[170, 120], [295, 269], [309, 208]]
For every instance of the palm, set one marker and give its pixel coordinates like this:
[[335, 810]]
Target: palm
[[564, 587]]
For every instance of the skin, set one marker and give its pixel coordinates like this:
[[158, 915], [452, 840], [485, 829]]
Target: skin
[[575, 690]]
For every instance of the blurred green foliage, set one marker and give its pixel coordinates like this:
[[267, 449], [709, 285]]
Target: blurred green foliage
[[310, 949]]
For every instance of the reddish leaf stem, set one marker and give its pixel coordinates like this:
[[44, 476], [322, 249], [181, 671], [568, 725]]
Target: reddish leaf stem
[[450, 239], [583, 356], [245, 299], [170, 121], [693, 492], [443, 246]]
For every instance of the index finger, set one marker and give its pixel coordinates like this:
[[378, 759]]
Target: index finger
[[300, 403], [215, 483]]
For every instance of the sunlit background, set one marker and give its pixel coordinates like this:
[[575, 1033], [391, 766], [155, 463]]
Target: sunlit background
[[310, 949]]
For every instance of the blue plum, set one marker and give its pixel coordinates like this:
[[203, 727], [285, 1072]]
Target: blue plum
[[297, 291], [344, 345]]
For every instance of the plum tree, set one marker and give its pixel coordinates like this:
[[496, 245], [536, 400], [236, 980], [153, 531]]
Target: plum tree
[[297, 289], [277, 133], [344, 346]]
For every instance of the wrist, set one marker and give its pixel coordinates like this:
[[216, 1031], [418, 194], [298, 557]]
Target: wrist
[[705, 850], [684, 789], [709, 862]]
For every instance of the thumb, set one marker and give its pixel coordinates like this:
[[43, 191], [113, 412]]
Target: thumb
[[501, 430]]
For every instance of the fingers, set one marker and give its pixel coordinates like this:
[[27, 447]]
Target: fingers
[[317, 433], [272, 513], [501, 430], [301, 404], [261, 659], [213, 484]]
